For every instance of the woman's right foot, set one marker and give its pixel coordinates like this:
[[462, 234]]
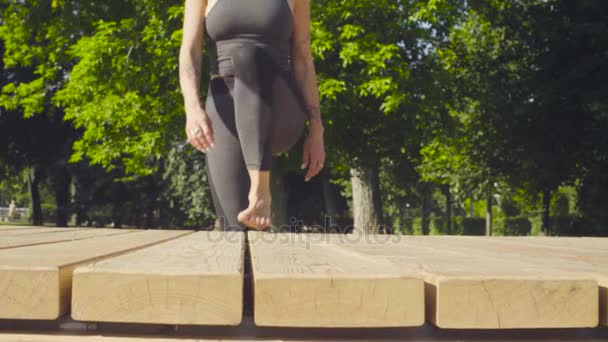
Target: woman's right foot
[[257, 215]]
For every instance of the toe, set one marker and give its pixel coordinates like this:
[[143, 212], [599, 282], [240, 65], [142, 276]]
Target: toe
[[242, 216]]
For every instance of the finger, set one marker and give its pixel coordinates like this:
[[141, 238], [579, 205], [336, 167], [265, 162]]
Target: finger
[[207, 138], [203, 142], [318, 168], [190, 138], [196, 143], [208, 133], [312, 171], [201, 138], [305, 158]]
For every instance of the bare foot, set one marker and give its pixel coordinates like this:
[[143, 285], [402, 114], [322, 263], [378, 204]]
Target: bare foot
[[257, 215]]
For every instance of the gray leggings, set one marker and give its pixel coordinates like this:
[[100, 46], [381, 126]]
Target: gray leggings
[[255, 113]]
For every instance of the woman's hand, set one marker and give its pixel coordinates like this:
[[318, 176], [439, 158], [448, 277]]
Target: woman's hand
[[314, 150], [199, 129]]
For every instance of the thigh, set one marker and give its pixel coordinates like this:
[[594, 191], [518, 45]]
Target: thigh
[[288, 113], [227, 173]]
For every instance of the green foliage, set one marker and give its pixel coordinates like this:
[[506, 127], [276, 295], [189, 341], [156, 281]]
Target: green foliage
[[465, 94], [13, 187], [473, 226], [188, 186], [517, 226], [127, 115], [573, 225], [122, 89], [510, 207], [368, 62], [438, 225], [49, 211], [560, 204]]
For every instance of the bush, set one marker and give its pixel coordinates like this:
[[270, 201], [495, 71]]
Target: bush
[[510, 207], [473, 226], [560, 205], [571, 225], [438, 226], [517, 226], [49, 212], [457, 225], [407, 226]]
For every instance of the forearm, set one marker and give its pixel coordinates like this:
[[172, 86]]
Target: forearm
[[306, 77], [191, 53], [190, 75]]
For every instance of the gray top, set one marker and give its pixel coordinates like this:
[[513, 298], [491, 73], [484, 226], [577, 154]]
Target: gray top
[[268, 23]]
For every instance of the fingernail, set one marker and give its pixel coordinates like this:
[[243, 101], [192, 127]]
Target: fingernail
[[306, 180], [302, 166], [212, 145]]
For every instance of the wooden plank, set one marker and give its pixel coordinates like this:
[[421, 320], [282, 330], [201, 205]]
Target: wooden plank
[[589, 243], [467, 289], [537, 252], [9, 227], [195, 279], [35, 281], [574, 255], [301, 284], [42, 238], [88, 337], [38, 230]]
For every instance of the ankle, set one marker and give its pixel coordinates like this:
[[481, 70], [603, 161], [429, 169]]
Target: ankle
[[260, 196]]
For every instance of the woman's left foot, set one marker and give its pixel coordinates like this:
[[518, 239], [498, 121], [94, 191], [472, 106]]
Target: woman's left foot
[[257, 215]]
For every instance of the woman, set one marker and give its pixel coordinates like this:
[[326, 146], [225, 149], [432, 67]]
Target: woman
[[262, 90]]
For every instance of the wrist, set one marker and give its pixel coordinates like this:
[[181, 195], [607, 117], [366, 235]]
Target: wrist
[[193, 109], [316, 125], [314, 115]]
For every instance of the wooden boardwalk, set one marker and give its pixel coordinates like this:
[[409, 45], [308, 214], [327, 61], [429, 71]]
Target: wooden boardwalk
[[299, 281]]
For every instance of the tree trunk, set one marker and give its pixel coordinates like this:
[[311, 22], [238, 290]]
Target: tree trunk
[[62, 196], [367, 207], [33, 180], [117, 211], [546, 216], [448, 209], [329, 195], [472, 213], [489, 213], [426, 210], [73, 217], [279, 215], [150, 206], [331, 199], [402, 220]]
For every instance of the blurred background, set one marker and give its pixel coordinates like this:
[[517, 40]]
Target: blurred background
[[454, 117]]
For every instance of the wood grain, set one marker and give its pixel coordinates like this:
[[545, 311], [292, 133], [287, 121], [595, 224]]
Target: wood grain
[[42, 238], [9, 227], [584, 256], [302, 284], [584, 242], [195, 279], [36, 281], [470, 289], [37, 230]]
